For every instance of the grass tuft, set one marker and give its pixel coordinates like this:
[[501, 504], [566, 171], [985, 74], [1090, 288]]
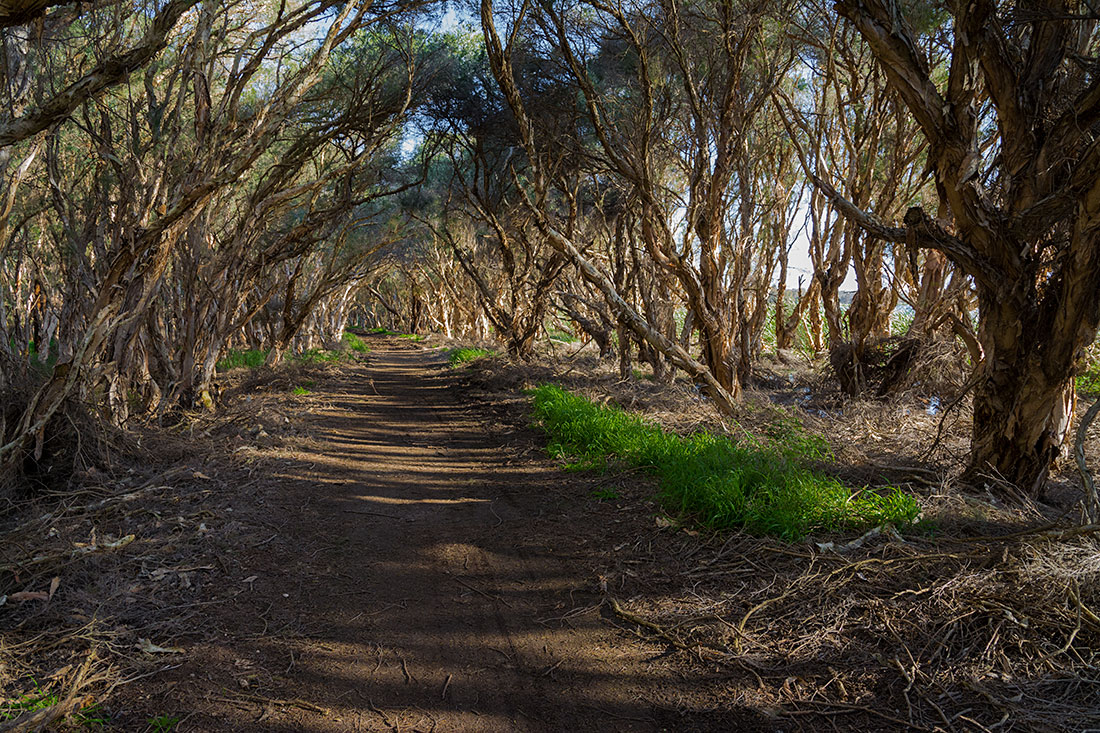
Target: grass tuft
[[467, 354], [354, 343], [387, 332], [239, 359], [163, 723], [91, 717], [761, 485]]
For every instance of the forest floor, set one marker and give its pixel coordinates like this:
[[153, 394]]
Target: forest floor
[[388, 547]]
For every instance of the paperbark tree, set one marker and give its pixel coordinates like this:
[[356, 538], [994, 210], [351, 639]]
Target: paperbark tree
[[1012, 120], [148, 186], [500, 60]]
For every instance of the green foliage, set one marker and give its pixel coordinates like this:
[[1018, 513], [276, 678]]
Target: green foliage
[[763, 486], [1088, 380], [91, 717], [387, 332], [901, 319], [317, 356], [299, 391], [556, 334], [163, 723], [254, 358], [467, 354], [42, 366], [356, 344], [37, 699], [238, 359], [791, 439]]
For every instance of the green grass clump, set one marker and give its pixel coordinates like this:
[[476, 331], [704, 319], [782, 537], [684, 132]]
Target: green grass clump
[[466, 354], [91, 717], [761, 485], [163, 723], [387, 332], [317, 356], [238, 359], [557, 334], [299, 391], [354, 343], [254, 358]]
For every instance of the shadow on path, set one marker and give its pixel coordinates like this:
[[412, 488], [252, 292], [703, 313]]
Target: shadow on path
[[417, 582]]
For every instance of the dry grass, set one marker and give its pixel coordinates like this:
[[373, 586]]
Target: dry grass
[[922, 633], [132, 546], [988, 620]]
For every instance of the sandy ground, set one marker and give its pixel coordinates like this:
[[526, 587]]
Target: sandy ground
[[421, 579]]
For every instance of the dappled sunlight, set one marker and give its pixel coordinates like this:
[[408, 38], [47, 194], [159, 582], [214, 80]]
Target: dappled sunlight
[[392, 500], [416, 584]]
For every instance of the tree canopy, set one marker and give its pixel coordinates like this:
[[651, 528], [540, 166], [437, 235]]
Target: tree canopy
[[688, 183]]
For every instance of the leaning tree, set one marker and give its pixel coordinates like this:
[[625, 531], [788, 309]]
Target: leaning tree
[[1007, 95]]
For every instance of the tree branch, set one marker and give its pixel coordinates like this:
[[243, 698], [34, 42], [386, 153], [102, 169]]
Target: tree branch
[[108, 73]]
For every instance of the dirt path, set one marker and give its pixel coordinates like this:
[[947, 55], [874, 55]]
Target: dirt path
[[419, 579]]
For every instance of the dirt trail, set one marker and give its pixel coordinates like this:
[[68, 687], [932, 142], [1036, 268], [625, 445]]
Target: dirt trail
[[420, 580]]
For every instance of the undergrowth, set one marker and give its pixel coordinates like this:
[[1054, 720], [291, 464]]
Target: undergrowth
[[387, 332], [239, 358], [1088, 380], [318, 356], [89, 718], [467, 354], [354, 347], [354, 343], [763, 485]]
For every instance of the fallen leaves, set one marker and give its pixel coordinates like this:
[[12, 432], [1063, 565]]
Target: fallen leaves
[[25, 596], [150, 648]]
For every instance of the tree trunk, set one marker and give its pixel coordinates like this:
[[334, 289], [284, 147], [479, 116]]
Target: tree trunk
[[625, 360], [1021, 414]]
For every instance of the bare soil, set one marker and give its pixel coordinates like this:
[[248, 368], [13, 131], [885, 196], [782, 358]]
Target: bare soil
[[394, 551], [426, 569]]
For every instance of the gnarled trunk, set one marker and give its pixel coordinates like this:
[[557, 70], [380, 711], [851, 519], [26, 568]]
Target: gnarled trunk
[[1022, 407]]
